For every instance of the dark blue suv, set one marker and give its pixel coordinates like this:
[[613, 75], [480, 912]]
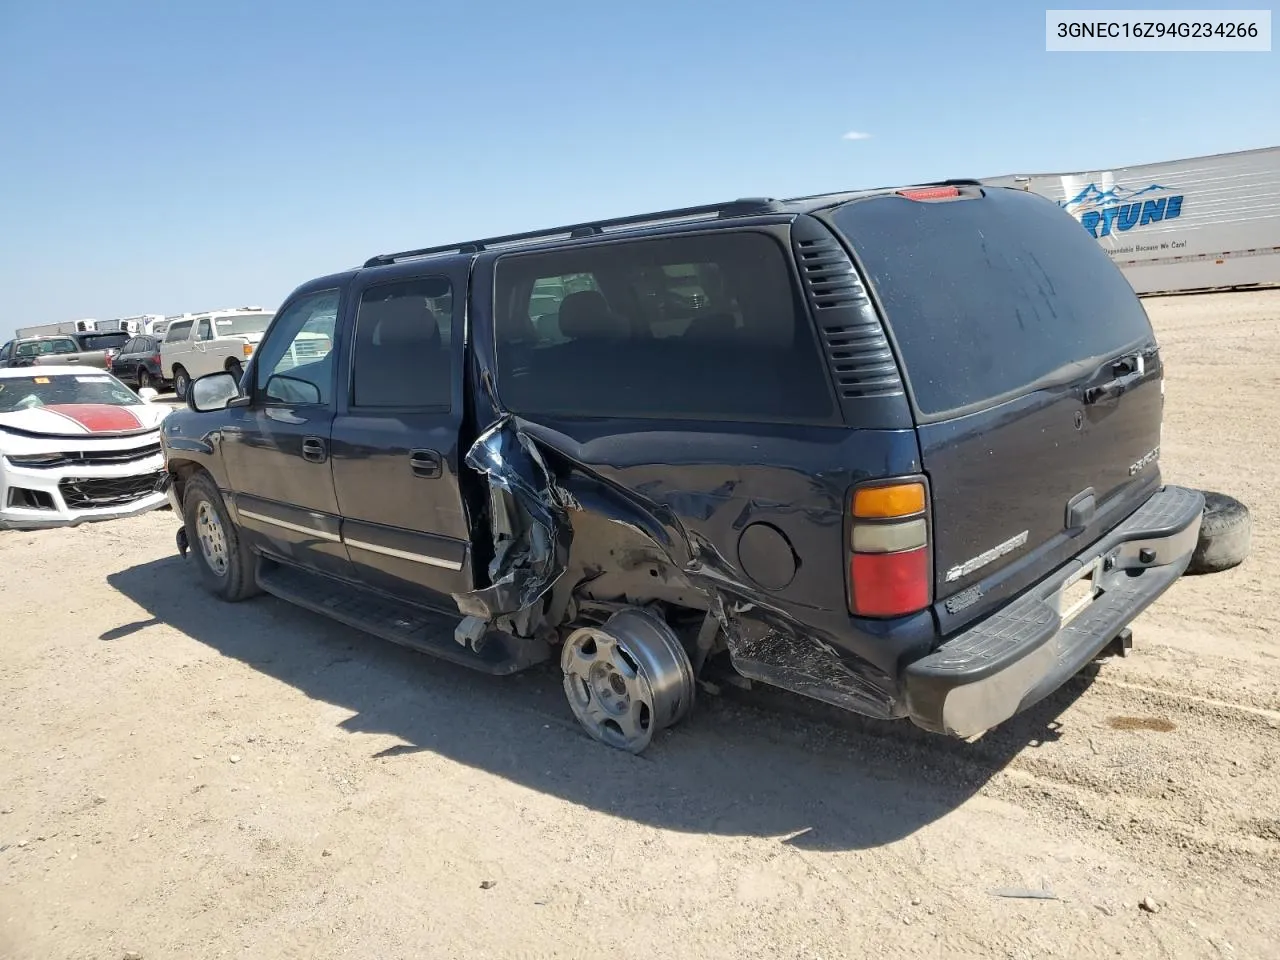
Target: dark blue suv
[[897, 450]]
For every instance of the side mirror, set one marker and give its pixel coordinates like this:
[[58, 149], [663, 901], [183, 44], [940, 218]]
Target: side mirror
[[147, 394], [212, 392], [291, 390]]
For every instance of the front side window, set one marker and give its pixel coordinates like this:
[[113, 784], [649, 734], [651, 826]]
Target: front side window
[[295, 364], [204, 331], [401, 349], [689, 327]]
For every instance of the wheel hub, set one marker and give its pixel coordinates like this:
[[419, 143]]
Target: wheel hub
[[213, 540], [627, 679]]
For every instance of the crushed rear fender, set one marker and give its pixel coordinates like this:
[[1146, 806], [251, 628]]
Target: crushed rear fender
[[583, 534]]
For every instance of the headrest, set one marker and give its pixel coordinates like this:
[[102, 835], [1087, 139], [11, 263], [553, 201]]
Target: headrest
[[586, 314], [404, 321]]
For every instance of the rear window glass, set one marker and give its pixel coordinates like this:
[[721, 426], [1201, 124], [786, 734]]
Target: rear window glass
[[696, 327], [102, 341], [987, 296]]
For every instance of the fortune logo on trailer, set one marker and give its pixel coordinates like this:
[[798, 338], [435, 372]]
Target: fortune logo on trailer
[[1104, 212]]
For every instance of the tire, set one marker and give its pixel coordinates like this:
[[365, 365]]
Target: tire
[[1225, 532], [181, 381], [234, 368], [226, 566], [143, 377]]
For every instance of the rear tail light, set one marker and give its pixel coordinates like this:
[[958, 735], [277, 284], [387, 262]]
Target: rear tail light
[[155, 358], [890, 568]]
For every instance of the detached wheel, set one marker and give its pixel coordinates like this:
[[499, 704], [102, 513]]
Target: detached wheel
[[1226, 530], [181, 381], [627, 679], [225, 564]]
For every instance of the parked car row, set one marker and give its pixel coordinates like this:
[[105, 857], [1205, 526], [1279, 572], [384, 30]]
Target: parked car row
[[90, 349]]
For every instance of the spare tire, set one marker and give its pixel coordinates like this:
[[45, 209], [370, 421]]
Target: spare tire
[[1225, 532]]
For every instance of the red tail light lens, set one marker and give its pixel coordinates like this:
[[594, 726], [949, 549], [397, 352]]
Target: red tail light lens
[[890, 584], [155, 358], [890, 567], [930, 193]]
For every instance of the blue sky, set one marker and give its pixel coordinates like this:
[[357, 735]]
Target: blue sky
[[168, 156]]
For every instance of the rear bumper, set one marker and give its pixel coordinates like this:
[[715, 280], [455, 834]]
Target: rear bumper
[[1026, 650]]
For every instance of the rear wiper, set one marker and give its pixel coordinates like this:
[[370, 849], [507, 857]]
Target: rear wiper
[[1126, 370]]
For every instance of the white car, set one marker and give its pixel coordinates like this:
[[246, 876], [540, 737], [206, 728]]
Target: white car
[[75, 445]]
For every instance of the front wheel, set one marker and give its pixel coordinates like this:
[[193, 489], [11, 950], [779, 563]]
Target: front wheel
[[225, 564], [234, 368], [180, 383]]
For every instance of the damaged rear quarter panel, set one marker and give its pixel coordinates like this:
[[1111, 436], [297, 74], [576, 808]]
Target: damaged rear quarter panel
[[657, 511]]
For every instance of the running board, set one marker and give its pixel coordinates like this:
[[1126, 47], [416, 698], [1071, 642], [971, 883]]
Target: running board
[[432, 633]]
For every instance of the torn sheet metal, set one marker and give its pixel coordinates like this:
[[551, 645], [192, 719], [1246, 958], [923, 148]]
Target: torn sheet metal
[[531, 532]]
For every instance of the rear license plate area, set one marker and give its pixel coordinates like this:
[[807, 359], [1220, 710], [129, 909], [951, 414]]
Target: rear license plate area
[[1078, 594]]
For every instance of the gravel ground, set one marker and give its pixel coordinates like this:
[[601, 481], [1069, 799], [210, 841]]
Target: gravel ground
[[188, 779]]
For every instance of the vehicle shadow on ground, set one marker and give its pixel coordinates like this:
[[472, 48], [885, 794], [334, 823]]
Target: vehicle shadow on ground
[[747, 764]]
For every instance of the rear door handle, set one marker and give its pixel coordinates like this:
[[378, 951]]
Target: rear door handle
[[314, 450], [424, 463]]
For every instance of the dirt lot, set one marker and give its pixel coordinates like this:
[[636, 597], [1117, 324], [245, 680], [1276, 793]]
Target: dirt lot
[[185, 779]]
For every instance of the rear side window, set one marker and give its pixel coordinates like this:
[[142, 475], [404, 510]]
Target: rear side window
[[700, 327], [987, 296], [402, 338], [177, 332]]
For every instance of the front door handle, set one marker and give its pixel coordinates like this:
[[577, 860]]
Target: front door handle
[[424, 463], [314, 450]]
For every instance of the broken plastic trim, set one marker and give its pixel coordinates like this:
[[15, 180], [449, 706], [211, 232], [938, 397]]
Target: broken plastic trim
[[531, 531]]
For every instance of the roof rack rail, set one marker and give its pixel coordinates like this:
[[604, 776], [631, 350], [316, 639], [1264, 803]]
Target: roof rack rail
[[734, 208]]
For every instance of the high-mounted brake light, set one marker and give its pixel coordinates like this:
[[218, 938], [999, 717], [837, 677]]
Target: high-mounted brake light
[[930, 193], [889, 563]]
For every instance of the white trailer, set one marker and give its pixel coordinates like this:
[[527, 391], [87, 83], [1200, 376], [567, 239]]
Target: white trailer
[[1199, 224], [142, 323], [55, 329]]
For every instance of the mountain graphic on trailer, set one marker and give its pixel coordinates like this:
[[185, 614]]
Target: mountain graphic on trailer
[[1092, 196]]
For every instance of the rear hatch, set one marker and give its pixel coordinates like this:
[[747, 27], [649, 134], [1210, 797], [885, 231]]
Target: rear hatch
[[1034, 377]]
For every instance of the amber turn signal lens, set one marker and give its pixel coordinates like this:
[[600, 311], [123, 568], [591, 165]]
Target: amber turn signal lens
[[898, 500]]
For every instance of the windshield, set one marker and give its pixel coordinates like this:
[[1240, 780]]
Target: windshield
[[24, 393], [239, 326]]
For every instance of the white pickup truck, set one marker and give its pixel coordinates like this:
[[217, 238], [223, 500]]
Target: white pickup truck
[[210, 343]]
